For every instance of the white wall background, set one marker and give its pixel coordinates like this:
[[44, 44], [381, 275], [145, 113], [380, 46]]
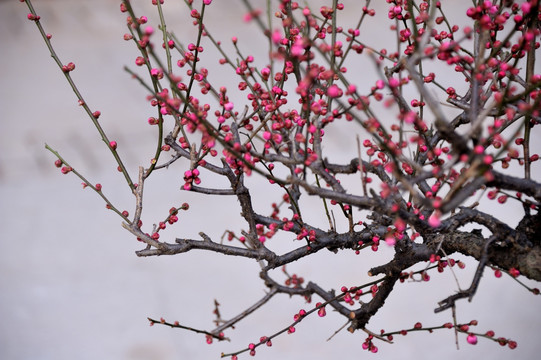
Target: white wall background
[[71, 286]]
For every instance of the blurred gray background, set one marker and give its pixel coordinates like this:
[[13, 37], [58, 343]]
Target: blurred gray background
[[71, 286]]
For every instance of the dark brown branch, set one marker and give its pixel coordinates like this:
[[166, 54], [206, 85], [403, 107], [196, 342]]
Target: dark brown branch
[[359, 318], [525, 186], [169, 140], [506, 255], [178, 326], [467, 215], [330, 297], [457, 198], [185, 245], [208, 191], [470, 292], [409, 255], [229, 323], [362, 202]]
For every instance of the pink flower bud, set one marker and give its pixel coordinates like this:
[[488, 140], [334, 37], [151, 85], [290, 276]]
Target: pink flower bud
[[472, 339], [140, 61], [479, 149], [334, 91], [390, 240], [393, 82], [514, 272], [434, 220]]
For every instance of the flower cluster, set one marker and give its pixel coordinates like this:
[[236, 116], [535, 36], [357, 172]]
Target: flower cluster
[[412, 184]]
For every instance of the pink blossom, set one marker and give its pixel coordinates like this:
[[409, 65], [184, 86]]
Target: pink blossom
[[393, 82], [410, 117], [229, 106], [265, 72], [276, 36], [434, 220], [140, 61], [334, 91], [472, 339], [207, 2], [400, 224], [390, 240], [514, 272], [298, 47]]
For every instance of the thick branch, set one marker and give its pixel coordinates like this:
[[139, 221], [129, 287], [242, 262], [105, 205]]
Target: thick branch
[[501, 254], [525, 186], [361, 317]]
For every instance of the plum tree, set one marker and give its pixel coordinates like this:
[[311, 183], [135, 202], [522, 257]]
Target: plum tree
[[436, 157]]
